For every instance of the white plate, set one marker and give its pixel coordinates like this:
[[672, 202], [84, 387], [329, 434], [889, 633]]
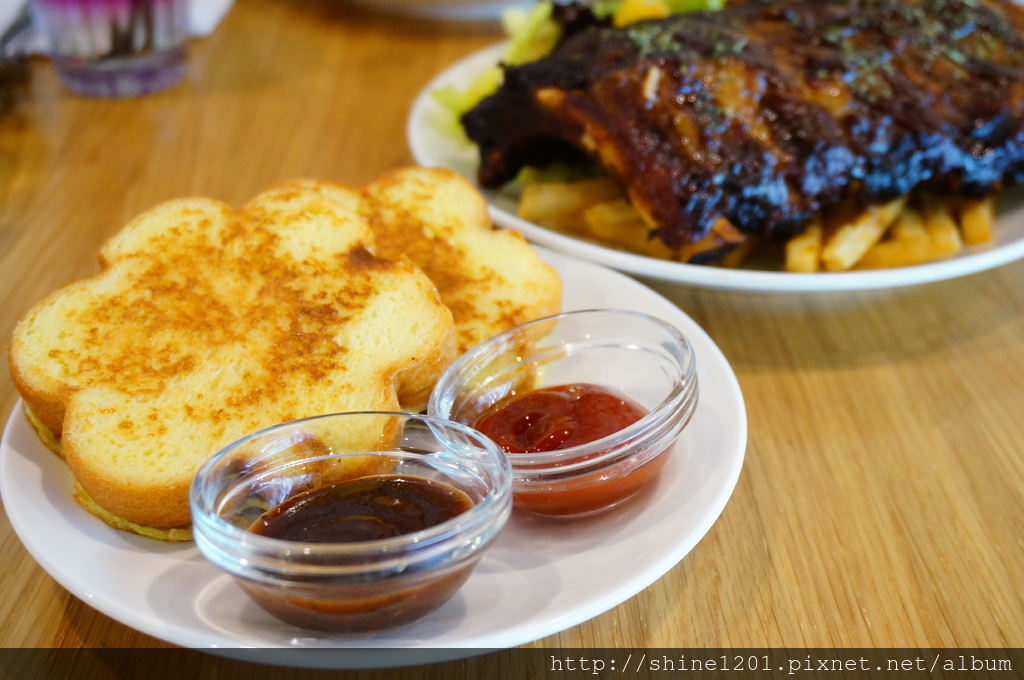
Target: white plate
[[433, 145], [539, 578]]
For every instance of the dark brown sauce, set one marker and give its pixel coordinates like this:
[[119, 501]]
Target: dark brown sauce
[[366, 509]]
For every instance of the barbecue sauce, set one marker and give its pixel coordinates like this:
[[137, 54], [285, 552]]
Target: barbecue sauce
[[366, 509], [558, 418]]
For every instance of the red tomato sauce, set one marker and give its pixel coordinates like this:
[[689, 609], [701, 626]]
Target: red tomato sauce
[[562, 417], [558, 417]]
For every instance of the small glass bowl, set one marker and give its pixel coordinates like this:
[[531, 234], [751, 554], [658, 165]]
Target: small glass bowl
[[350, 588], [634, 354]]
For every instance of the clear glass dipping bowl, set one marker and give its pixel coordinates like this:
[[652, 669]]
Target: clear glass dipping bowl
[[351, 588], [641, 357]]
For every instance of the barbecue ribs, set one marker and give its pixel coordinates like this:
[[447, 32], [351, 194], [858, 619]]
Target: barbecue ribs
[[759, 117]]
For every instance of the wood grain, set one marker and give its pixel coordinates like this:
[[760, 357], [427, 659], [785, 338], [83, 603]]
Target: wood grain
[[882, 498]]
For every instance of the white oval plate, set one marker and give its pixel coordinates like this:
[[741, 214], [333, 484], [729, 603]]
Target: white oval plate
[[433, 145], [539, 578]]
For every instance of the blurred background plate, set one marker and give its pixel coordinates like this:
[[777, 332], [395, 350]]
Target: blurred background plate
[[434, 143]]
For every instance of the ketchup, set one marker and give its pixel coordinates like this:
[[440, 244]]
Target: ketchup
[[364, 509], [561, 417]]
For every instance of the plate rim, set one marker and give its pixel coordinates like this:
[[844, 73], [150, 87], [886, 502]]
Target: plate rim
[[972, 259], [727, 388]]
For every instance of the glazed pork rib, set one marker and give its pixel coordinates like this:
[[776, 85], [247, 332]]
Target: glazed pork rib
[[755, 119]]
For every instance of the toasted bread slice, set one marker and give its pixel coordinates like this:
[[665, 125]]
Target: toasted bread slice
[[490, 278], [208, 323]]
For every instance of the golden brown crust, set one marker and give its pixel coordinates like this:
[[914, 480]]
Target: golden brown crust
[[180, 533], [44, 433], [45, 401], [273, 309], [469, 261], [490, 278], [162, 505], [207, 323]]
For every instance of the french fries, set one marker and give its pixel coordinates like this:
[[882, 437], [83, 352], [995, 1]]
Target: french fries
[[563, 204], [907, 244], [976, 219], [803, 251], [941, 227], [735, 257], [848, 243], [596, 208], [903, 232], [934, 229]]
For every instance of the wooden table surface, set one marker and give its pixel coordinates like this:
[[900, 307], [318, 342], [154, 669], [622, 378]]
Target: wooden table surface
[[881, 502]]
